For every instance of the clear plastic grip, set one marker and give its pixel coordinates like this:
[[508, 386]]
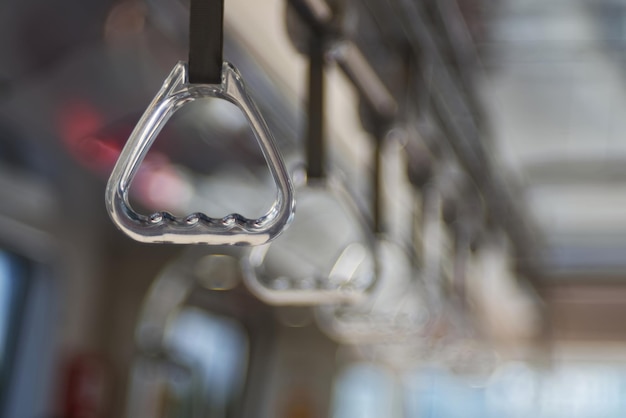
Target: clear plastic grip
[[326, 256], [197, 228]]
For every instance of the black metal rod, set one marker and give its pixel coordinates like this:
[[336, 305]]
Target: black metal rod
[[206, 38], [315, 123], [378, 204], [463, 132], [364, 78], [462, 253]]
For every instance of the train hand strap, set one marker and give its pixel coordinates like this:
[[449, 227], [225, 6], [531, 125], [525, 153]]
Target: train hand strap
[[197, 228]]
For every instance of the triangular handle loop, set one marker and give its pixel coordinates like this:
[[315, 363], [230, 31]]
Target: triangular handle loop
[[197, 228]]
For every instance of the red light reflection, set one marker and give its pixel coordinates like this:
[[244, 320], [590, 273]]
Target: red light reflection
[[158, 183]]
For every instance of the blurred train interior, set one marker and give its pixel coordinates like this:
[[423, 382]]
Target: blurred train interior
[[458, 247]]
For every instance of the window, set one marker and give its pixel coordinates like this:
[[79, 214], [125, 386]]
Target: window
[[567, 390], [201, 370], [365, 390], [218, 349], [14, 278]]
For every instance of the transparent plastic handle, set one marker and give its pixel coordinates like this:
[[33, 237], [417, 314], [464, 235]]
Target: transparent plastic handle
[[326, 256], [197, 228], [394, 312]]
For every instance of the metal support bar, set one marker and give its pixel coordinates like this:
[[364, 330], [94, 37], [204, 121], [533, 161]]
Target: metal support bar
[[463, 134], [315, 122], [364, 78], [451, 106], [350, 59]]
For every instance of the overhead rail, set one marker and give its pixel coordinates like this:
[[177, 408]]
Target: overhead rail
[[451, 104]]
